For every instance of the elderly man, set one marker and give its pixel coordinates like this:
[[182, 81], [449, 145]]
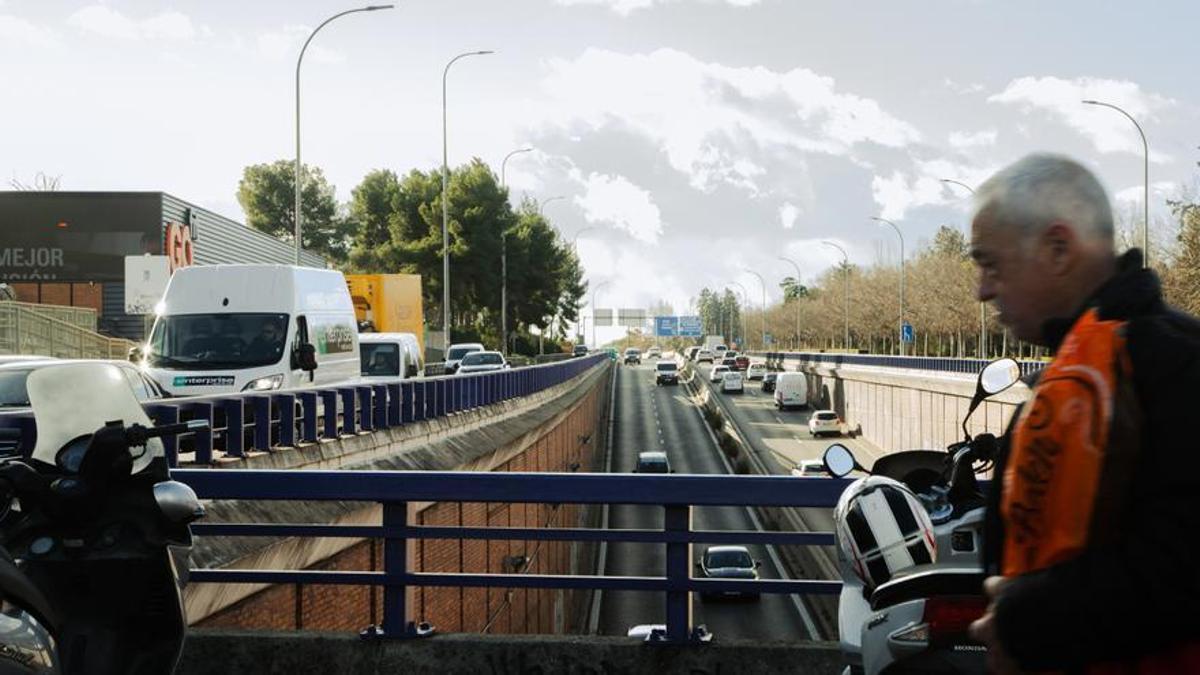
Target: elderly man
[[1095, 511]]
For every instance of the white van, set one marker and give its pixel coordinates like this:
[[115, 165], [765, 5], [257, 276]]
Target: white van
[[389, 356], [231, 328], [791, 391], [455, 354]]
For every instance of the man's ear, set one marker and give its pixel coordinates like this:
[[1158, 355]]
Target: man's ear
[[1060, 248]]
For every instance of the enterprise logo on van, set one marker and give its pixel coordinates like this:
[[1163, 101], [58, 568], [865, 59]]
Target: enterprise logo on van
[[203, 381]]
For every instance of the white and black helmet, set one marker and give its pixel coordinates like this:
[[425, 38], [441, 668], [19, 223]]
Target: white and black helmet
[[883, 529]]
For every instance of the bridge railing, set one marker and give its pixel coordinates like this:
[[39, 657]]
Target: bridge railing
[[936, 364], [399, 491], [267, 421]]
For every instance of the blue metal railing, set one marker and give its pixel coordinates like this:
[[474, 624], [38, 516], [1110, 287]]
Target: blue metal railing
[[398, 491], [936, 364], [268, 420]]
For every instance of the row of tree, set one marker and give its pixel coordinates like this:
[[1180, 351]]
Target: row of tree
[[393, 224]]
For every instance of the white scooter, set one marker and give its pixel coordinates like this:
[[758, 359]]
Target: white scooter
[[917, 621], [90, 520]]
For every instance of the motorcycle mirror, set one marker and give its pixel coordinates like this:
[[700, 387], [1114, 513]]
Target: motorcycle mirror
[[839, 461], [178, 502], [993, 379]]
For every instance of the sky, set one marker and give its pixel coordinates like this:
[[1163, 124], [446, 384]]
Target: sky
[[692, 139]]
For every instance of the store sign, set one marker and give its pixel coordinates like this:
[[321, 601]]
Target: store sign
[[146, 279], [178, 246]]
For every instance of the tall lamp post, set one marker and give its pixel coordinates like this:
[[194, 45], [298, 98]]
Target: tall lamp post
[[544, 202], [901, 235], [746, 302], [762, 282], [595, 288], [846, 275], [575, 239], [1146, 178], [982, 305], [445, 206], [504, 258], [298, 185], [797, 267]]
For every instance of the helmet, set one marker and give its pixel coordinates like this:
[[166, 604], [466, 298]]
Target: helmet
[[882, 528]]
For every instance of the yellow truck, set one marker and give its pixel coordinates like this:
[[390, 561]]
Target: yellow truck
[[390, 303]]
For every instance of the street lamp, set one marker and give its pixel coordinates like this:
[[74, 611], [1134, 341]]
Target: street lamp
[[542, 205], [595, 288], [899, 234], [575, 239], [445, 206], [763, 283], [793, 263], [745, 301], [846, 273], [1146, 178], [504, 258], [299, 60], [982, 305]]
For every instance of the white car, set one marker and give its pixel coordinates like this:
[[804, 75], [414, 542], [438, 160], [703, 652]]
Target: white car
[[731, 383], [481, 362], [824, 422], [455, 354], [717, 373], [810, 468], [704, 355], [654, 353], [756, 371]]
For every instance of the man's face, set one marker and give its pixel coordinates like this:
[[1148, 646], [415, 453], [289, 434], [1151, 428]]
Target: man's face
[[1011, 278], [270, 332]]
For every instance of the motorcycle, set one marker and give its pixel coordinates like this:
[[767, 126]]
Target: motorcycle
[[907, 609], [93, 533]]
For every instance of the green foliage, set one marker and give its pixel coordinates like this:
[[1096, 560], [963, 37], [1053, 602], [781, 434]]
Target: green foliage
[[266, 193]]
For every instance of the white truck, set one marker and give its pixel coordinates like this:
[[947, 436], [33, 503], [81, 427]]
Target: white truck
[[711, 342], [231, 328]]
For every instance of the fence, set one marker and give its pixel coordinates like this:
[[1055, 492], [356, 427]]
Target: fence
[[936, 364], [399, 491], [264, 421], [50, 330]]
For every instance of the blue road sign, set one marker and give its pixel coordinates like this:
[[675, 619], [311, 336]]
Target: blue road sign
[[690, 326], [906, 332], [666, 326], [767, 339]]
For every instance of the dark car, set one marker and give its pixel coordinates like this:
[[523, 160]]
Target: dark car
[[728, 562], [729, 361], [768, 383], [742, 361], [666, 372], [652, 462], [633, 355], [580, 350]]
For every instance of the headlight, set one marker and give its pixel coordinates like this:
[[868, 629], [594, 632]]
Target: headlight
[[265, 383]]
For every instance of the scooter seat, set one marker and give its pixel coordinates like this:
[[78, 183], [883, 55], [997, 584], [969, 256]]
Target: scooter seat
[[927, 581]]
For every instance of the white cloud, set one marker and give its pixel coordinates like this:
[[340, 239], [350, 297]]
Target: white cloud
[[285, 44], [787, 215], [960, 88], [1107, 129], [710, 120], [627, 7], [615, 200], [1159, 192], [901, 191], [107, 22], [963, 140], [17, 30]]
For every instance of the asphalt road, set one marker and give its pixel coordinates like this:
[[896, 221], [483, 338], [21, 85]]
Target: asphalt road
[[651, 418]]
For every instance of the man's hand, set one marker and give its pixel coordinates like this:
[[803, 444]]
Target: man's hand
[[984, 630]]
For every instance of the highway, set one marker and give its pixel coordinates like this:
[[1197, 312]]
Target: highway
[[650, 418]]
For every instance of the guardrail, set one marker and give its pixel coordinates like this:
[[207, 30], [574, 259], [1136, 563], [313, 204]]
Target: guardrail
[[936, 364], [31, 329], [268, 420], [399, 491]]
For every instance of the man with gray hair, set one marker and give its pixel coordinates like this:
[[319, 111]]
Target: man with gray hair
[[1093, 518]]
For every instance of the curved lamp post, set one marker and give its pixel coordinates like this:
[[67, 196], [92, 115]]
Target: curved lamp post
[[1146, 178], [797, 267], [846, 275], [901, 235], [504, 258]]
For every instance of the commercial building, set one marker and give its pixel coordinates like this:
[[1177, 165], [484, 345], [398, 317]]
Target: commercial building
[[69, 248]]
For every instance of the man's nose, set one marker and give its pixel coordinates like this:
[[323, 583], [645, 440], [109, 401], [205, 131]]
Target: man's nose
[[986, 290]]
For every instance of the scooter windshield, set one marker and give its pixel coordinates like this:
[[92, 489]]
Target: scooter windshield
[[76, 399]]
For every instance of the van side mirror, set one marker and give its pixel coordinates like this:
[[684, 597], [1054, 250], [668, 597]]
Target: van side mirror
[[135, 354], [306, 356]]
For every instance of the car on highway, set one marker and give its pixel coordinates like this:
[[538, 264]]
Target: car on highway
[[704, 355], [732, 383], [580, 350], [14, 374], [728, 562], [768, 382], [810, 468], [456, 353], [654, 353], [824, 422], [756, 371], [729, 362], [719, 351], [481, 362], [633, 355], [742, 362], [666, 372], [717, 373], [690, 353], [652, 462], [791, 391], [649, 632]]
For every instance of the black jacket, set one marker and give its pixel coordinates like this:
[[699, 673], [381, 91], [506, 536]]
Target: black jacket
[[1140, 594]]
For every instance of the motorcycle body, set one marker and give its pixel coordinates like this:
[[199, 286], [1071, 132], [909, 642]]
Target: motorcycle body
[[95, 525]]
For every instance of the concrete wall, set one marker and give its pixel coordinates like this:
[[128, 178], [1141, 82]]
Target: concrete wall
[[908, 409], [551, 431]]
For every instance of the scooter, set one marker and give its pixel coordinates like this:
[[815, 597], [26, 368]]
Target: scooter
[[916, 621], [91, 530]]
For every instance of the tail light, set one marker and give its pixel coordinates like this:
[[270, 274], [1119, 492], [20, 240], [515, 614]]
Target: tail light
[[949, 617]]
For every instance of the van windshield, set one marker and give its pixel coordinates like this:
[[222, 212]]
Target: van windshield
[[218, 341], [459, 352], [380, 359]]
